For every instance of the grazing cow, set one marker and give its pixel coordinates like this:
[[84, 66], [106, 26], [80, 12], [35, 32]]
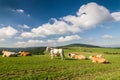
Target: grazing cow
[[98, 59], [7, 53], [77, 56], [57, 52], [24, 53]]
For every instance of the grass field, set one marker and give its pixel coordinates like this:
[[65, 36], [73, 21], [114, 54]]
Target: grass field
[[41, 67]]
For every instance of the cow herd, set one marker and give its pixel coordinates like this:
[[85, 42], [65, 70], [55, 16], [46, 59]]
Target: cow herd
[[7, 53], [54, 52], [95, 59], [60, 52]]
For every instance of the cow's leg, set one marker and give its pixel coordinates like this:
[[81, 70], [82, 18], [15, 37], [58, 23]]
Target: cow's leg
[[62, 55], [52, 55]]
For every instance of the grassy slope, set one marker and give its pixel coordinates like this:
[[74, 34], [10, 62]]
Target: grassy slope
[[42, 67]]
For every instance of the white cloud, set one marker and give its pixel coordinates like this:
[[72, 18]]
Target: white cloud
[[32, 42], [47, 42], [7, 32], [107, 36], [20, 10], [29, 43], [26, 26], [58, 27], [26, 35], [68, 38], [116, 16], [21, 44], [88, 16]]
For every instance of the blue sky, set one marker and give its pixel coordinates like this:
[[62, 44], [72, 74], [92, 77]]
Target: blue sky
[[29, 23]]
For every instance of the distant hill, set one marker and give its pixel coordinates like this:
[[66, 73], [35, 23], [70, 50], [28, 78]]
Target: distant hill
[[80, 45]]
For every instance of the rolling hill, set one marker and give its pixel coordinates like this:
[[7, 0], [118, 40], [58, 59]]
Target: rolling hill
[[80, 45]]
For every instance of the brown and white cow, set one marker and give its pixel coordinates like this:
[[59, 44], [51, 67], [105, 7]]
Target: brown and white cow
[[77, 56]]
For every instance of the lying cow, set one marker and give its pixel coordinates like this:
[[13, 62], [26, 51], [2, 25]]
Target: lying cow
[[98, 59], [77, 56], [7, 53], [24, 53], [99, 55]]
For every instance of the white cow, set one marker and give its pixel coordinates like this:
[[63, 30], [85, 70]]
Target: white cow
[[57, 52], [7, 53]]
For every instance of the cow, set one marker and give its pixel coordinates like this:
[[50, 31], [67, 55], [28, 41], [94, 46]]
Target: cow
[[24, 53], [99, 55], [7, 53], [96, 59], [77, 56], [56, 52]]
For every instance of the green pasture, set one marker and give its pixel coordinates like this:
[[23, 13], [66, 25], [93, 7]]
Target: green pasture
[[41, 67]]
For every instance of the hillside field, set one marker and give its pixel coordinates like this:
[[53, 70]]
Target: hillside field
[[41, 67]]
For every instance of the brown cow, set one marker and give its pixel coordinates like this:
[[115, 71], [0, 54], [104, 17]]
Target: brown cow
[[98, 59], [77, 56], [24, 53]]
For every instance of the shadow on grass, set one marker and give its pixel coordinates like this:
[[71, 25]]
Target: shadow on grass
[[70, 59]]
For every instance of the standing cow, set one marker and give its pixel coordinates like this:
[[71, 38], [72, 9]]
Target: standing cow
[[56, 52]]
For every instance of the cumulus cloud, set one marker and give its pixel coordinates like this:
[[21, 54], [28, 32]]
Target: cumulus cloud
[[58, 27], [116, 16], [7, 32], [32, 42], [68, 38], [26, 26], [87, 17], [47, 42], [29, 43], [106, 36]]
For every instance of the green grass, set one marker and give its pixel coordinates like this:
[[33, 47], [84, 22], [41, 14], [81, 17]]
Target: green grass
[[41, 67]]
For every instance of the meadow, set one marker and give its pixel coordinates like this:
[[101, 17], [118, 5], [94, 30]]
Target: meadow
[[41, 67]]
